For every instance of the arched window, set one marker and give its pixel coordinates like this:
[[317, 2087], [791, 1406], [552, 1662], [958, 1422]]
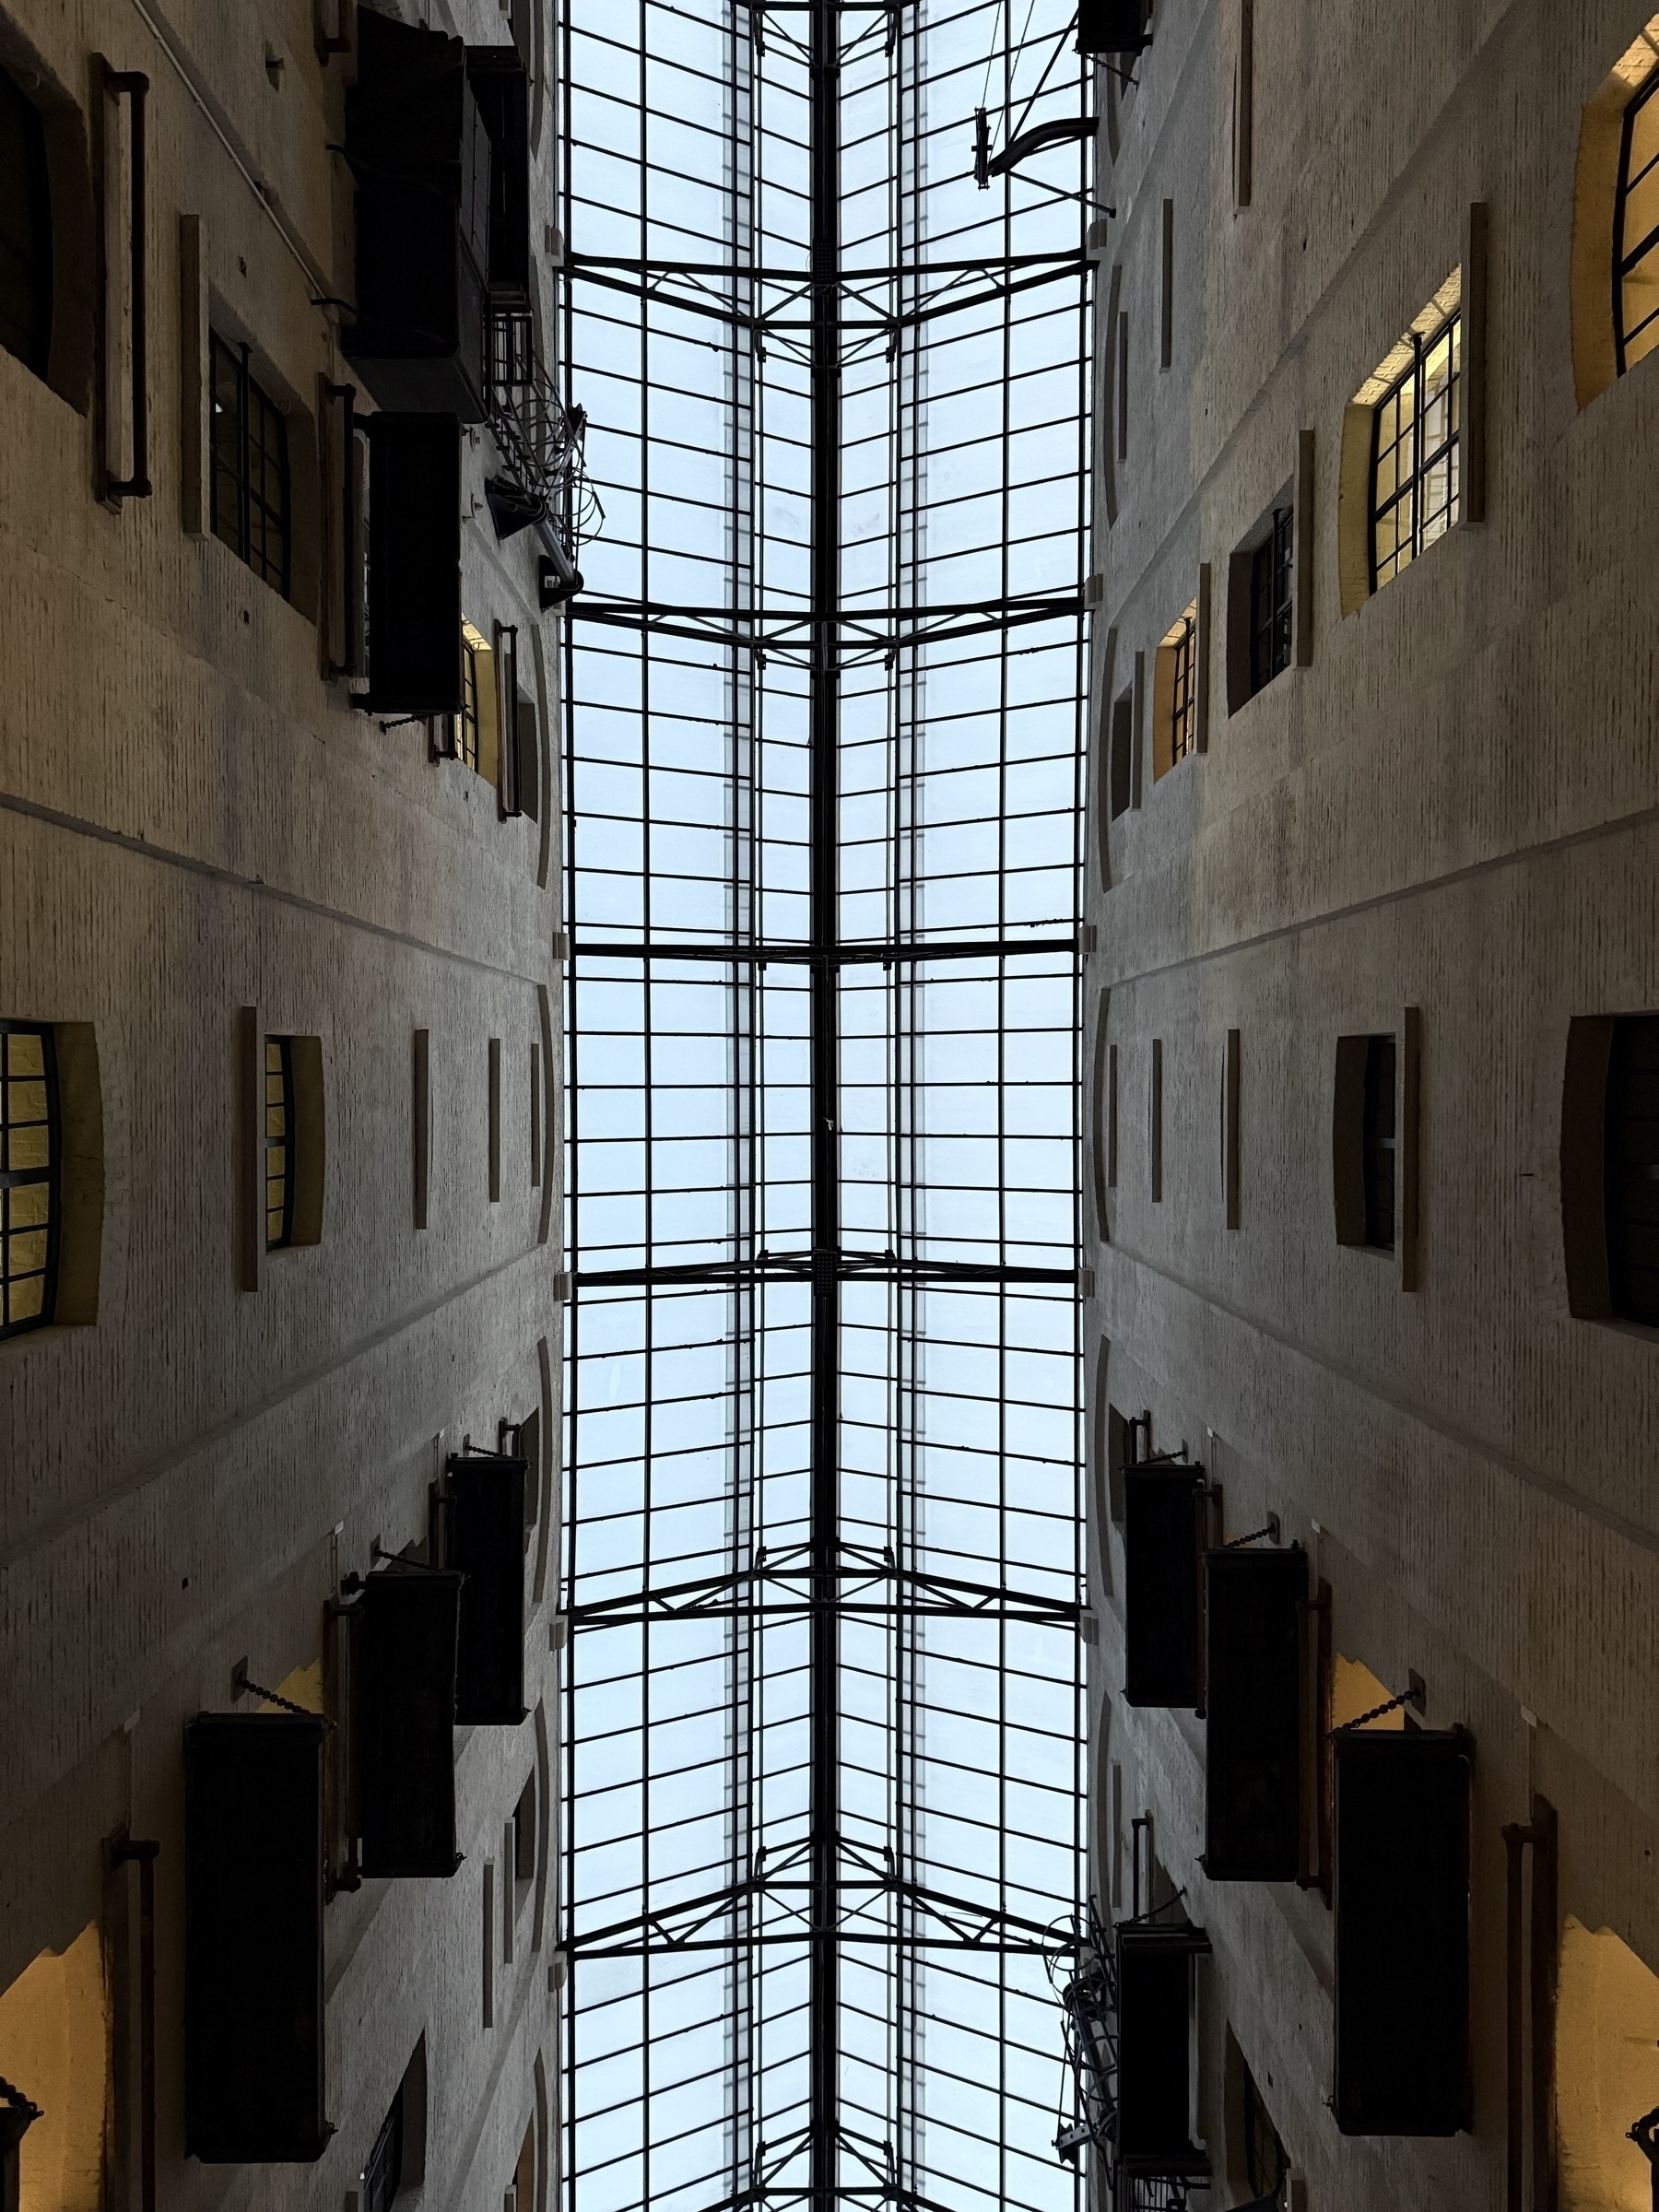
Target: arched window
[[1616, 222], [1636, 231], [30, 1144], [24, 230]]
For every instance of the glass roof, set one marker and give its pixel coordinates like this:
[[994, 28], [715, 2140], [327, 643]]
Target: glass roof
[[823, 1760]]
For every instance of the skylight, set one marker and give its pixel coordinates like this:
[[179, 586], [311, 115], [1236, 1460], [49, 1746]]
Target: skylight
[[823, 1756]]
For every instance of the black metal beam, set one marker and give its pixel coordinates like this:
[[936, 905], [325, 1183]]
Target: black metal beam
[[824, 880], [887, 953], [804, 1266]]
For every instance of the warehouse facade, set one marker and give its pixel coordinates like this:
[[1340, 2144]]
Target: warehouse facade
[[1371, 1086], [287, 507]]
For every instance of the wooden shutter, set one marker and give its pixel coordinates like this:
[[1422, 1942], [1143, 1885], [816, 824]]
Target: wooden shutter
[[253, 2016], [1163, 1531], [485, 1540], [1154, 2006], [1402, 1908], [1254, 1638], [413, 564], [404, 1640]]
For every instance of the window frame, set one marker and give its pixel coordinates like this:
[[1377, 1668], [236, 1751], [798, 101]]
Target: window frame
[[30, 1178], [1631, 1044], [284, 1072], [1626, 263], [1378, 1144], [237, 532], [382, 2175], [1448, 452], [1273, 598], [1183, 685]]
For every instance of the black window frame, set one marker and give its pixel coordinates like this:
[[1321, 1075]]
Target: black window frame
[[383, 2170], [1266, 2163], [1378, 1140], [30, 1178], [1184, 687], [284, 1074], [25, 229], [1423, 462], [1630, 1168], [1272, 598], [236, 508], [1625, 264], [457, 736]]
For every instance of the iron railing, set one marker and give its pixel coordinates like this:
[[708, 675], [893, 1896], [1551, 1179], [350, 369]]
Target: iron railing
[[541, 481]]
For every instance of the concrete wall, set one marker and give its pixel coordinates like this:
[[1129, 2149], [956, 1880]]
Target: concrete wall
[[1455, 807], [191, 821]]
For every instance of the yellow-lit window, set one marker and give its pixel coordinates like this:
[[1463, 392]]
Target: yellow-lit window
[[473, 734], [1415, 450], [30, 1191], [1606, 2070], [1636, 231], [1184, 696], [54, 2049], [1175, 693], [1401, 451], [466, 721], [279, 1142]]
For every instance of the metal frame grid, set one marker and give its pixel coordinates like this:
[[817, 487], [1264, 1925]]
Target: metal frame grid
[[823, 1747], [1272, 595], [31, 1206], [1416, 430], [1636, 210], [251, 506]]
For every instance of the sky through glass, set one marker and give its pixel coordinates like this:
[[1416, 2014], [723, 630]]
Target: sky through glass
[[822, 1382]]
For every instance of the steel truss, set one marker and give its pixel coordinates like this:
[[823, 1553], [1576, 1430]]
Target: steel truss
[[825, 1897]]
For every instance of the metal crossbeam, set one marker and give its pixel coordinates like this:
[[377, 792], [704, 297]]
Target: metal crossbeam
[[722, 1596]]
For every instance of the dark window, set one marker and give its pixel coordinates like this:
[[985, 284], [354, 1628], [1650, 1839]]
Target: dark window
[[28, 1176], [382, 2176], [1123, 752], [249, 467], [279, 1142], [1631, 1169], [24, 230], [1272, 581], [1636, 232], [1266, 2164], [1183, 698], [1415, 451], [523, 1834], [1377, 1143]]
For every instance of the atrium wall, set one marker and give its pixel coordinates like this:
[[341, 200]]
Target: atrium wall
[[196, 820], [1448, 802]]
